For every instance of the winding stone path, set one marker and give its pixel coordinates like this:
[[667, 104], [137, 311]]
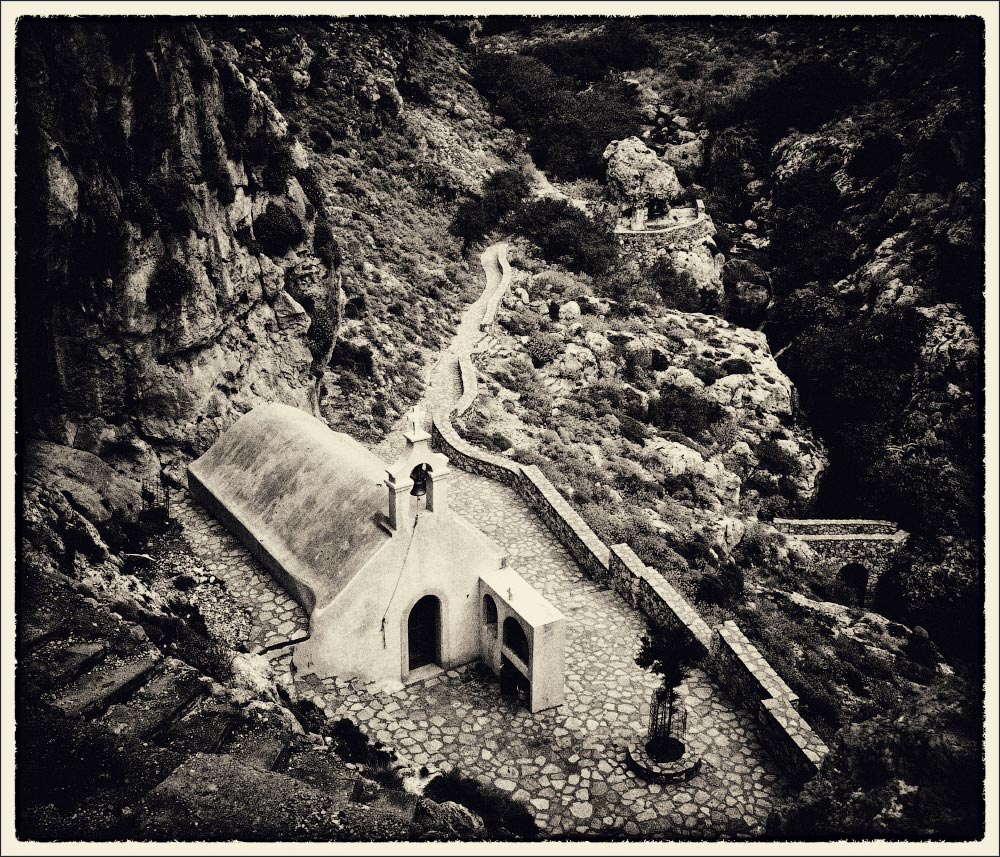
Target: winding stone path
[[567, 764]]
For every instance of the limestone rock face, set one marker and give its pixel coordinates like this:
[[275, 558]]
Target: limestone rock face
[[174, 342], [637, 176]]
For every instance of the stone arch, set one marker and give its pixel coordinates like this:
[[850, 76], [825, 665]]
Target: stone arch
[[490, 615], [516, 640], [853, 578]]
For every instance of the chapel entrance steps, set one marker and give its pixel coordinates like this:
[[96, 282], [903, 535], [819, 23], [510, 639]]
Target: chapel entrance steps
[[149, 727]]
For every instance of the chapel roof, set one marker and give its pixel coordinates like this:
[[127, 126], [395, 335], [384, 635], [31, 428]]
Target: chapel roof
[[311, 497]]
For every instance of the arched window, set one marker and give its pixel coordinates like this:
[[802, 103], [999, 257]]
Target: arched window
[[490, 614], [515, 639]]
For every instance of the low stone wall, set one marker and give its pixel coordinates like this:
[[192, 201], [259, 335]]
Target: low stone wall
[[747, 675], [564, 522], [493, 304], [834, 527], [463, 454], [646, 590], [791, 740], [744, 672], [650, 243], [470, 384]]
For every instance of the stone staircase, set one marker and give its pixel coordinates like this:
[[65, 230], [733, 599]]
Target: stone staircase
[[116, 740]]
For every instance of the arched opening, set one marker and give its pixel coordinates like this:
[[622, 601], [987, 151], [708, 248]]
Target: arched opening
[[515, 639], [853, 582], [490, 615], [423, 632], [419, 477]]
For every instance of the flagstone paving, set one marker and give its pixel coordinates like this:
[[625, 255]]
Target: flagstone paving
[[278, 619]]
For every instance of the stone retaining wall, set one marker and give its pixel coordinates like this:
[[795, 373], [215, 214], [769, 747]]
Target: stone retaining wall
[[648, 591], [470, 384], [564, 522], [834, 527], [791, 740], [747, 675], [647, 245], [744, 672]]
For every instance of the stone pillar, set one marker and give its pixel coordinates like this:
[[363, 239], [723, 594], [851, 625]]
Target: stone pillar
[[437, 490], [399, 493]]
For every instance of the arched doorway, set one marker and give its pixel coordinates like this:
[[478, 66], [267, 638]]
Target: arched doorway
[[853, 581], [423, 632], [515, 639]]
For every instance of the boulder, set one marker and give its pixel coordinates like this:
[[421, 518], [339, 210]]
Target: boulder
[[636, 176], [448, 819], [569, 311], [91, 486]]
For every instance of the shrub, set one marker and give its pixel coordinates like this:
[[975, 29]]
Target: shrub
[[278, 230], [326, 246], [736, 366], [543, 348], [568, 129], [677, 289], [684, 410], [306, 178], [504, 817], [503, 193], [171, 281], [521, 322], [722, 587], [569, 237]]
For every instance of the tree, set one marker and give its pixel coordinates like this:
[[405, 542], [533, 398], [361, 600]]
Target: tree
[[671, 653]]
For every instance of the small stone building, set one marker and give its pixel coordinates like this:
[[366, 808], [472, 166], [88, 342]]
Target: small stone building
[[397, 586]]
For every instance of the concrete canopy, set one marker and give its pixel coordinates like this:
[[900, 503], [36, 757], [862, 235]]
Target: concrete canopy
[[307, 500]]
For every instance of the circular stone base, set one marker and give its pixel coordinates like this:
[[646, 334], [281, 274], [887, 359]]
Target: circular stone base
[[648, 768]]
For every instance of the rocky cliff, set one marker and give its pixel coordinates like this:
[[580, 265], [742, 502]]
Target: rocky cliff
[[209, 212]]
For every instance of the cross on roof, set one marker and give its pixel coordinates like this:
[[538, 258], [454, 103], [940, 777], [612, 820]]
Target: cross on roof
[[416, 418]]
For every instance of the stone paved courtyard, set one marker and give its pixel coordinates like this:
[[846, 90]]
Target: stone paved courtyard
[[566, 764], [278, 619]]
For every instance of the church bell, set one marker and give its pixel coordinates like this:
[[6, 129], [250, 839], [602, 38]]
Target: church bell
[[419, 477]]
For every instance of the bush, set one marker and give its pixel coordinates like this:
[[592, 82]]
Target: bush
[[521, 322], [543, 348], [278, 230], [504, 817], [677, 289], [310, 185], [683, 410], [722, 587], [568, 129], [504, 192], [567, 236], [171, 281]]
